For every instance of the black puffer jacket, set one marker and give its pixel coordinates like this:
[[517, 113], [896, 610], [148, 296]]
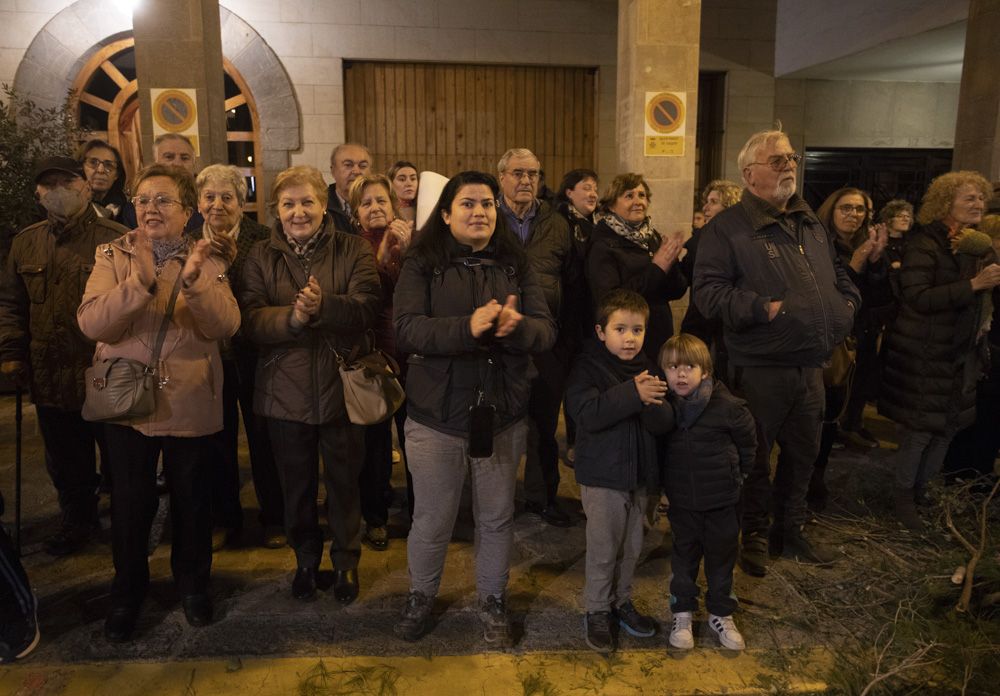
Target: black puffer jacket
[[41, 286], [928, 379], [615, 432], [577, 321], [751, 254], [704, 464], [447, 365], [616, 262]]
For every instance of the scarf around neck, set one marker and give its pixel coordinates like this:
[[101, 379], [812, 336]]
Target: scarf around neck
[[689, 408], [166, 249], [642, 234]]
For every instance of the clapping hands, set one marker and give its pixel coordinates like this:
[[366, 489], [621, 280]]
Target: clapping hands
[[652, 390], [505, 317]]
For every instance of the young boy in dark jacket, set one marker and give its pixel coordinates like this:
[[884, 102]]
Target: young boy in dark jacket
[[619, 405], [705, 461]]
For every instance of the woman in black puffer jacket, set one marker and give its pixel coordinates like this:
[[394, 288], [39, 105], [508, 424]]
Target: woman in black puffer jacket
[[470, 312], [932, 358], [626, 252]]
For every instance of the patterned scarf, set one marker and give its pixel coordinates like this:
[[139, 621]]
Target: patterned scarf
[[304, 250], [166, 249], [642, 234]]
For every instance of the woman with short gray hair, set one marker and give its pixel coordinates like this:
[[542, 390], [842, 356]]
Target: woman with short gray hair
[[222, 192]]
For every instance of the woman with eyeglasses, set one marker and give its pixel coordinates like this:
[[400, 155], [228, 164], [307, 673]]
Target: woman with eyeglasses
[[846, 214], [136, 281], [105, 172]]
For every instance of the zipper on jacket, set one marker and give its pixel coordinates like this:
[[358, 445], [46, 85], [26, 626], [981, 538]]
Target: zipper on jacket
[[819, 294]]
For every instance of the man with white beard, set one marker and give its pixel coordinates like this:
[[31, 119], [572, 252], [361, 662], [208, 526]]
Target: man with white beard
[[768, 269]]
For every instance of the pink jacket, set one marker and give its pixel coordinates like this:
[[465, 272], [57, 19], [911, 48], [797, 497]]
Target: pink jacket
[[124, 318]]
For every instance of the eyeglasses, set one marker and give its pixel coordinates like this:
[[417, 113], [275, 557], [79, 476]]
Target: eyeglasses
[[778, 162], [848, 209], [519, 174], [94, 163], [157, 202]]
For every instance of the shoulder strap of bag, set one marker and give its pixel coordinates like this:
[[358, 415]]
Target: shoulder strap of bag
[[162, 335]]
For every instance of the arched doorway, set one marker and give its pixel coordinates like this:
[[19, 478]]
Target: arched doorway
[[58, 53], [107, 106]]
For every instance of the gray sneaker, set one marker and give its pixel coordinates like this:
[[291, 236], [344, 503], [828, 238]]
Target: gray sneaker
[[412, 624], [496, 627]]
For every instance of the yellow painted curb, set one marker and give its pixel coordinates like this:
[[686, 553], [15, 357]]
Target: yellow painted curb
[[533, 674]]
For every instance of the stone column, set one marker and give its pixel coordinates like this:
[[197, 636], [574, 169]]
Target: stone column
[[178, 44], [977, 132], [658, 51]]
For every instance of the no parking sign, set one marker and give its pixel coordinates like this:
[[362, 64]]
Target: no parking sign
[[666, 114]]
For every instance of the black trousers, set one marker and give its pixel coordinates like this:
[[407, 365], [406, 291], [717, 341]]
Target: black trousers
[[376, 473], [787, 405], [712, 535], [134, 502], [71, 461], [297, 447], [237, 397], [541, 464]]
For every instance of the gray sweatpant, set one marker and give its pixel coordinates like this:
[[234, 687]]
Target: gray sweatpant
[[439, 464], [614, 541]]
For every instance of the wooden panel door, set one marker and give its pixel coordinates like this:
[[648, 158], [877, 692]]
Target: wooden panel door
[[448, 117]]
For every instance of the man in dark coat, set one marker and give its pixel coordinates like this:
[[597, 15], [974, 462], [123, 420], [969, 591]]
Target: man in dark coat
[[347, 163], [545, 235], [41, 345], [767, 267]]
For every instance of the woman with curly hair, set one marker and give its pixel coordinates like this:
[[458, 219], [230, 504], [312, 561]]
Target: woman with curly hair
[[932, 357]]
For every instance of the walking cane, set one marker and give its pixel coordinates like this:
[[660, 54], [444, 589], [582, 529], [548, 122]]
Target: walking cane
[[17, 470]]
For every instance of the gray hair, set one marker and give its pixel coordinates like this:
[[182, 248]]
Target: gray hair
[[748, 155], [512, 153], [173, 136], [336, 151], [226, 174]]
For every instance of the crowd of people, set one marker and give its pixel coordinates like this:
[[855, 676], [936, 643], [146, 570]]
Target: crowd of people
[[504, 309]]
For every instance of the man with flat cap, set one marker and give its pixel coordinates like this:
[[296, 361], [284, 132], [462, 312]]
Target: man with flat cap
[[41, 345]]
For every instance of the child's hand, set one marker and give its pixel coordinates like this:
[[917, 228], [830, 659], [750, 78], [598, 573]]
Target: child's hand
[[651, 388]]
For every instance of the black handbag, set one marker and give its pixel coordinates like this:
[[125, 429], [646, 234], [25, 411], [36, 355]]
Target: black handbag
[[122, 389]]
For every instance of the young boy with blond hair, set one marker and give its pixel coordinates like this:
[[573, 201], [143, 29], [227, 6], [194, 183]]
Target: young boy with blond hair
[[706, 459]]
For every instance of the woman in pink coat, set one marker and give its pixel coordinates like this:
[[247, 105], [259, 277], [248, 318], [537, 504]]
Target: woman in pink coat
[[122, 309]]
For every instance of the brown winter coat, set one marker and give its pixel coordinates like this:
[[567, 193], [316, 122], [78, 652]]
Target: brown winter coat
[[297, 373], [40, 289], [124, 318]]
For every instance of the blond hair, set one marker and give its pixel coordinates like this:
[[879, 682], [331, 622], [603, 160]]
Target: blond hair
[[940, 195], [686, 349], [302, 175]]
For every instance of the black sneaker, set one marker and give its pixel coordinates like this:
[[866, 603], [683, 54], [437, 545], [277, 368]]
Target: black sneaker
[[797, 546], [860, 438], [412, 622], [19, 638], [753, 555], [597, 631], [496, 627], [638, 625]]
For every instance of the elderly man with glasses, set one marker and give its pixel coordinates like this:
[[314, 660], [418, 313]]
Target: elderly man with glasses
[[767, 268], [545, 235]]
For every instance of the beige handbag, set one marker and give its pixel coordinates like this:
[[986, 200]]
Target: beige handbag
[[372, 392], [121, 389]]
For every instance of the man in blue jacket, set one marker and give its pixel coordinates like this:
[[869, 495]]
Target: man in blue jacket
[[767, 268]]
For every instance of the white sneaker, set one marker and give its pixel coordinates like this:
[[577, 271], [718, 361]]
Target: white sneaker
[[681, 636], [727, 632]]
